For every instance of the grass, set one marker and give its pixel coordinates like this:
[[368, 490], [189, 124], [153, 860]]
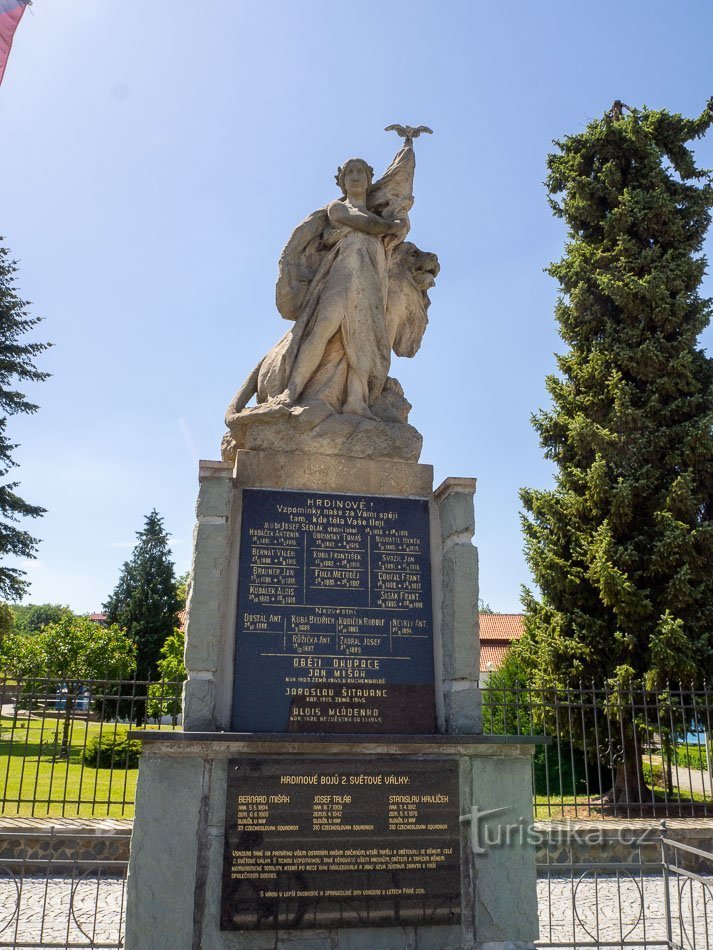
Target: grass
[[691, 756], [35, 781]]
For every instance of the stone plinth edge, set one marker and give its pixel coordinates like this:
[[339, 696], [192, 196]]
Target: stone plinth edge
[[456, 626], [220, 745], [292, 470]]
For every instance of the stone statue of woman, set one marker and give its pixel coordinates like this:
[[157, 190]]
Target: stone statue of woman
[[355, 291]]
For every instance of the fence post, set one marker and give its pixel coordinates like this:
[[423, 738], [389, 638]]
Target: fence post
[[666, 894]]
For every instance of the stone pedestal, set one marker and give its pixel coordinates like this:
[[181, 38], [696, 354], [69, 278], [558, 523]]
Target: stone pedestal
[[177, 849], [175, 874], [210, 635]]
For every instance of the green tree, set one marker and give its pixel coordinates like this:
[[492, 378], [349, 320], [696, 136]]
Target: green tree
[[182, 588], [621, 547], [145, 600], [7, 620], [165, 700], [17, 366], [72, 652], [31, 618], [507, 710], [484, 608]]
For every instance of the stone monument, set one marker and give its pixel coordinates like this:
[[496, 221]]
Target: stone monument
[[331, 785]]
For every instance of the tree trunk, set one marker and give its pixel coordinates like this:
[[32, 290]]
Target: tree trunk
[[668, 754], [629, 786]]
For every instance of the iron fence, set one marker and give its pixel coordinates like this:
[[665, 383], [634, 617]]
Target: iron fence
[[687, 878], [64, 747], [584, 902], [621, 753], [54, 894], [65, 756]]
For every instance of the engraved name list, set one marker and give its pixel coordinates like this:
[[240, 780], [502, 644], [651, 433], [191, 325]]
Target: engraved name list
[[335, 625]]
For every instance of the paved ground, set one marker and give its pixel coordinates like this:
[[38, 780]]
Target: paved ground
[[604, 909], [61, 911]]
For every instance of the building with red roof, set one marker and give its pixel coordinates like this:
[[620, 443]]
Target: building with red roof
[[498, 632]]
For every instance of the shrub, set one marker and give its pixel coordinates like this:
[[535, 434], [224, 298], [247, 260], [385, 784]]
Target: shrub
[[112, 752]]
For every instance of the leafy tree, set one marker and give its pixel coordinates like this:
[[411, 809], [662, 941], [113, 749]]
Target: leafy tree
[[182, 588], [511, 707], [163, 700], [31, 618], [72, 652], [506, 709], [621, 547], [17, 365], [145, 600], [7, 620], [484, 608]]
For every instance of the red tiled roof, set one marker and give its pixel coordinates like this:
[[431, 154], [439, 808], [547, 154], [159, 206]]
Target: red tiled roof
[[501, 626], [492, 655], [98, 618], [181, 618]]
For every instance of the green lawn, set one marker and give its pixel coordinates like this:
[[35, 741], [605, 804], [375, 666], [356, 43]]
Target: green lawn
[[691, 756], [34, 781]]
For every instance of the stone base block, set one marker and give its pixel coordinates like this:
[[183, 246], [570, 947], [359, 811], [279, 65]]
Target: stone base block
[[176, 865]]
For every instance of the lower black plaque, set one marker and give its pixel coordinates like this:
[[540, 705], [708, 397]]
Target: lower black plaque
[[341, 843]]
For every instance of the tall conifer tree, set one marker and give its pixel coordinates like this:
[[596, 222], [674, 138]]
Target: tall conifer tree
[[622, 547], [145, 600], [17, 365]]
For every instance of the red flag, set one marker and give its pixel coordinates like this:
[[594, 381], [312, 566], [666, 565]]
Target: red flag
[[10, 15]]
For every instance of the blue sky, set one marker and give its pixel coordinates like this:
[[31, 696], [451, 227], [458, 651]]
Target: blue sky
[[156, 158]]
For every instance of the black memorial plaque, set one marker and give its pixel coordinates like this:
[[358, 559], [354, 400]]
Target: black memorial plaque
[[350, 843], [335, 624]]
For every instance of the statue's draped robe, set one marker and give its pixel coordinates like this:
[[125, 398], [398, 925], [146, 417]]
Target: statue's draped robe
[[340, 274]]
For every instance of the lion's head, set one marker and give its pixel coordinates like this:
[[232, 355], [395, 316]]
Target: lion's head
[[412, 272]]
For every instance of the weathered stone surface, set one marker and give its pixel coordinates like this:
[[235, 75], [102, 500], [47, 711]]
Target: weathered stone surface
[[457, 515], [204, 631], [356, 291], [385, 938], [332, 473], [439, 938], [505, 878], [459, 612], [228, 745], [318, 429], [458, 622], [303, 941], [162, 865], [214, 497], [463, 707], [199, 704]]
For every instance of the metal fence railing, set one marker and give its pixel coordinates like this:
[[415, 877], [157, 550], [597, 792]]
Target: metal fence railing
[[64, 747], [620, 753], [55, 894], [688, 894], [635, 753], [584, 901]]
